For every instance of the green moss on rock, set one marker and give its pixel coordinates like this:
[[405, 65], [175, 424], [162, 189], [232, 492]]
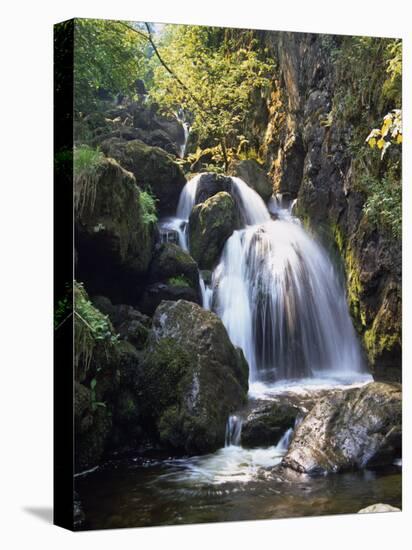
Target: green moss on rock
[[153, 168], [193, 378], [210, 224]]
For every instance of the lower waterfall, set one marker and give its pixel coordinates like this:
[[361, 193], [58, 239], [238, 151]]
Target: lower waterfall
[[277, 292]]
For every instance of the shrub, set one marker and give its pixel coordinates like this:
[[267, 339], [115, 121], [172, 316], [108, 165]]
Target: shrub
[[148, 205], [384, 203], [90, 328]]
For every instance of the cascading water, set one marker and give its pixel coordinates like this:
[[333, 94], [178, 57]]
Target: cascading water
[[233, 430], [180, 115], [276, 291]]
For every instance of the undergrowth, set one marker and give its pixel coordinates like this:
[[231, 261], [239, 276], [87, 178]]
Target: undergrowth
[[86, 162]]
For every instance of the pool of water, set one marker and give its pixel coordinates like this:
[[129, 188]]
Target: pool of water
[[232, 484]]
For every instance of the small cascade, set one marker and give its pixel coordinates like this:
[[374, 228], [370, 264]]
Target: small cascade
[[284, 442], [233, 431], [173, 230], [180, 115], [206, 292]]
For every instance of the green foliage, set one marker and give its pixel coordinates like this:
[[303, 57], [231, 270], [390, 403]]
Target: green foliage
[[219, 76], [384, 203], [148, 205], [64, 307], [369, 73], [86, 162], [389, 133], [93, 319], [179, 280], [86, 159], [91, 328], [108, 56]]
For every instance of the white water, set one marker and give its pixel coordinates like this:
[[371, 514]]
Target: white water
[[277, 293], [231, 464], [186, 131]]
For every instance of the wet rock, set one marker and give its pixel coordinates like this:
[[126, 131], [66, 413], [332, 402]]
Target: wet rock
[[252, 173], [375, 508], [129, 323], [266, 425], [158, 292], [92, 429], [153, 169], [210, 224], [209, 184], [193, 378], [128, 425], [170, 261], [113, 241], [349, 430]]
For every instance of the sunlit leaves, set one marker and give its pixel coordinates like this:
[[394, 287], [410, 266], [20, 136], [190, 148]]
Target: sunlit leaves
[[107, 55], [389, 133], [220, 78]]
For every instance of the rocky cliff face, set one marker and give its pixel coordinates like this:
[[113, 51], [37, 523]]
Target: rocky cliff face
[[308, 157]]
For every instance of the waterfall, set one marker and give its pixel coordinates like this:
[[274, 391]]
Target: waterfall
[[277, 293], [233, 431], [206, 293], [284, 441], [180, 115]]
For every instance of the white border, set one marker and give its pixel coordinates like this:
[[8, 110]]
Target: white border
[[26, 259]]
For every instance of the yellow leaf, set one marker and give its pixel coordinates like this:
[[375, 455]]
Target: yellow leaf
[[380, 143], [399, 138], [385, 127], [372, 142]]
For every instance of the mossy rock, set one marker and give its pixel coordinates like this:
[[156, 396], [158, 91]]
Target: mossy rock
[[153, 169], [253, 174], [209, 184], [170, 261], [113, 240], [210, 224], [194, 378], [92, 429]]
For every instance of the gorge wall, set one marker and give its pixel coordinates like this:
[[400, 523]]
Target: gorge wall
[[309, 157]]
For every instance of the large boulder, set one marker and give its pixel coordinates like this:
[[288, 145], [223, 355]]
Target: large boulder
[[194, 378], [153, 169], [209, 184], [349, 430], [266, 425], [113, 239], [210, 224], [251, 173]]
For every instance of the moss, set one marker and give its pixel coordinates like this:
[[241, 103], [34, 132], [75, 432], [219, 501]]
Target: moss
[[385, 332], [210, 224], [164, 375], [179, 280], [339, 238]]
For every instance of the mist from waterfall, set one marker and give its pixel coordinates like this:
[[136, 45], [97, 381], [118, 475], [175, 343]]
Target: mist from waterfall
[[277, 293]]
